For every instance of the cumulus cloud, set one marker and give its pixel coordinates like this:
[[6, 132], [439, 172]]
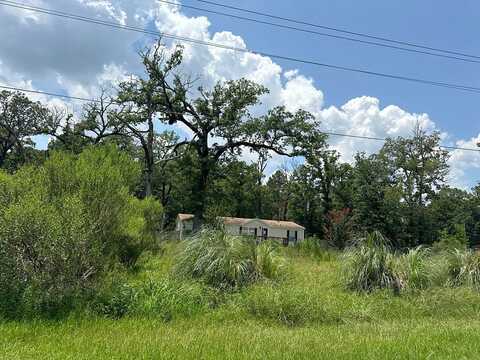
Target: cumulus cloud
[[44, 52], [363, 116], [465, 165]]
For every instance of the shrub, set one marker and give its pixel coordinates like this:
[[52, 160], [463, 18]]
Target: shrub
[[227, 261], [64, 223], [451, 241], [116, 301], [338, 231], [368, 264], [140, 229], [464, 268]]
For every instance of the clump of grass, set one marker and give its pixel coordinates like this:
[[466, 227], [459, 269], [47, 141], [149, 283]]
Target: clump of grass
[[227, 261], [412, 270], [287, 305], [268, 261], [164, 298], [464, 268], [315, 248], [368, 264]]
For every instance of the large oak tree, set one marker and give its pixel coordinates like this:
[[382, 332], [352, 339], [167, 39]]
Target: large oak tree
[[219, 120]]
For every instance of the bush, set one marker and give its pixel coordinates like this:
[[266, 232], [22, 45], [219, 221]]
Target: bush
[[368, 264], [116, 301], [451, 241], [140, 229], [464, 268], [227, 261], [338, 231], [64, 223]]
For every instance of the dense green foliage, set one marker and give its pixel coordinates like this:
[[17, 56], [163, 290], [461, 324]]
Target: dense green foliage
[[66, 222]]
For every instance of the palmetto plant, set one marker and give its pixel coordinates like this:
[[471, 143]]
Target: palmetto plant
[[227, 261], [368, 264]]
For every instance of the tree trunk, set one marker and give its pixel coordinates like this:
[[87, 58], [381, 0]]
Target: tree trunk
[[149, 160], [201, 194]]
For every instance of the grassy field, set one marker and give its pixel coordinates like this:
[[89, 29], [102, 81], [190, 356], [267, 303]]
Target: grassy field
[[307, 315]]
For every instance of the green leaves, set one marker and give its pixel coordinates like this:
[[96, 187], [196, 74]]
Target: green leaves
[[66, 222]]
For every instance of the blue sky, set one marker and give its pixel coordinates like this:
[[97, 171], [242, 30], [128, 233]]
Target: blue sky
[[52, 54], [443, 24]]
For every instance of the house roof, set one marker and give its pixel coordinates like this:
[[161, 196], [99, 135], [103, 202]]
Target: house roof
[[184, 217], [242, 221], [234, 220], [282, 224]]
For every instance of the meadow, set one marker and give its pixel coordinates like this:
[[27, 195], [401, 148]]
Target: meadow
[[306, 314]]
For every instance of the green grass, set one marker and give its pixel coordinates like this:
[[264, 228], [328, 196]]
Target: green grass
[[307, 315]]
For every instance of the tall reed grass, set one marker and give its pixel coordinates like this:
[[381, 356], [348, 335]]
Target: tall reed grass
[[227, 261]]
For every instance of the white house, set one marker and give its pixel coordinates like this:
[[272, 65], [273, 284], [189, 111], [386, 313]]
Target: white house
[[286, 231]]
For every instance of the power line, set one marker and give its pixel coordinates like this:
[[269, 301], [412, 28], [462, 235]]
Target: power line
[[330, 133], [47, 93], [385, 139], [242, 50], [368, 36], [340, 37]]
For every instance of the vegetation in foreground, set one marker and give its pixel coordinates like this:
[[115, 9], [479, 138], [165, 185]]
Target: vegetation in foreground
[[151, 312]]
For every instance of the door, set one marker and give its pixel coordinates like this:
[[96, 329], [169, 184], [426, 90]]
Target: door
[[265, 233]]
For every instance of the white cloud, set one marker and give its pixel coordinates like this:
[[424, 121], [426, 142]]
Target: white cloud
[[465, 165], [363, 116]]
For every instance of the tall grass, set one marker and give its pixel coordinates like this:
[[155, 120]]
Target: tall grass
[[227, 261], [464, 268], [371, 264], [413, 270], [368, 264], [316, 248]]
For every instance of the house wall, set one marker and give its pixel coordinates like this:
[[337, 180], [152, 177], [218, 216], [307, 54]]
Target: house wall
[[232, 229], [186, 224], [272, 232]]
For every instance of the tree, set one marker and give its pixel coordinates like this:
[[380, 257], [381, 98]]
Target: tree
[[219, 120], [448, 208], [261, 165], [233, 190], [323, 167], [419, 167], [20, 119], [306, 202], [97, 124], [279, 192], [377, 202]]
